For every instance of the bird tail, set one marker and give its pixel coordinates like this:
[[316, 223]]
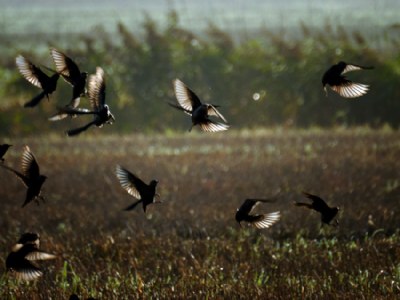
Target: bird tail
[[36, 100], [77, 131], [132, 206]]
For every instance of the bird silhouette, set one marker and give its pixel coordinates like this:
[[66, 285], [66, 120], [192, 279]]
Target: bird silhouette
[[69, 70], [97, 97], [340, 84], [257, 220], [38, 78], [3, 150], [191, 105], [145, 193], [21, 261], [319, 205], [30, 176]]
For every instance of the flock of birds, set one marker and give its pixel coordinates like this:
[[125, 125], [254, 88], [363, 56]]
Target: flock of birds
[[22, 259]]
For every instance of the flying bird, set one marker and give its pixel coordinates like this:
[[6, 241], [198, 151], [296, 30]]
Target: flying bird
[[340, 84], [97, 97], [191, 105], [145, 193], [243, 213], [30, 176], [21, 261], [71, 73], [319, 205], [38, 78], [3, 150]]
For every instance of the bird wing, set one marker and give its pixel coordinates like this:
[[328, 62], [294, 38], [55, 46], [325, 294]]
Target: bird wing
[[27, 271], [318, 203], [211, 126], [185, 96], [30, 72], [29, 166], [352, 67], [65, 66], [266, 220], [21, 176], [130, 182], [97, 89], [212, 111], [39, 255], [349, 89]]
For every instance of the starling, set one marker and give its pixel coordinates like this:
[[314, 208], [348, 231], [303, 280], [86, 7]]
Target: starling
[[259, 221], [30, 176], [191, 105], [146, 193], [3, 150], [39, 79], [68, 69], [319, 205], [97, 97], [22, 259], [340, 84]]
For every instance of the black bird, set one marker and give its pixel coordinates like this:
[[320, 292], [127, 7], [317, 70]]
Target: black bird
[[39, 79], [3, 150], [146, 193], [97, 98], [191, 105], [340, 84], [69, 70], [30, 176], [22, 260], [319, 205], [259, 221]]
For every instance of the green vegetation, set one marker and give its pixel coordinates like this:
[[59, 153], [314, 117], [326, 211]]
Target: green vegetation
[[282, 69], [190, 246]]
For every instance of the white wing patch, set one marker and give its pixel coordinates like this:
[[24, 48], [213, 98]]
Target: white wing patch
[[212, 111], [351, 89], [268, 220], [25, 67], [213, 127], [350, 68], [126, 184], [182, 95]]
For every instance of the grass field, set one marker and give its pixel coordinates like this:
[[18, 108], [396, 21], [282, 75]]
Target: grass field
[[190, 246]]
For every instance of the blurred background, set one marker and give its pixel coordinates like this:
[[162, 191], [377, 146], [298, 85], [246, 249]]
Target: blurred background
[[262, 61]]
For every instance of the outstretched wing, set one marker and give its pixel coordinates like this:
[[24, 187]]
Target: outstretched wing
[[265, 220], [29, 166], [97, 89], [185, 96], [130, 182], [30, 72], [66, 66], [318, 203], [211, 126], [349, 89], [352, 67], [212, 111]]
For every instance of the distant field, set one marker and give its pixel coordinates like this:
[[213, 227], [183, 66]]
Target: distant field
[[190, 246], [24, 17]]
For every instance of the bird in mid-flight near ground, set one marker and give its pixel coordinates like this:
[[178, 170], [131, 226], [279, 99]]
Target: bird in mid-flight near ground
[[69, 70], [145, 193], [319, 205], [259, 221], [191, 105], [97, 97], [21, 261], [30, 176], [38, 78], [3, 150], [340, 84]]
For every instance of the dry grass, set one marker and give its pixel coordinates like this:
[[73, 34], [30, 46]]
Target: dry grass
[[190, 246]]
